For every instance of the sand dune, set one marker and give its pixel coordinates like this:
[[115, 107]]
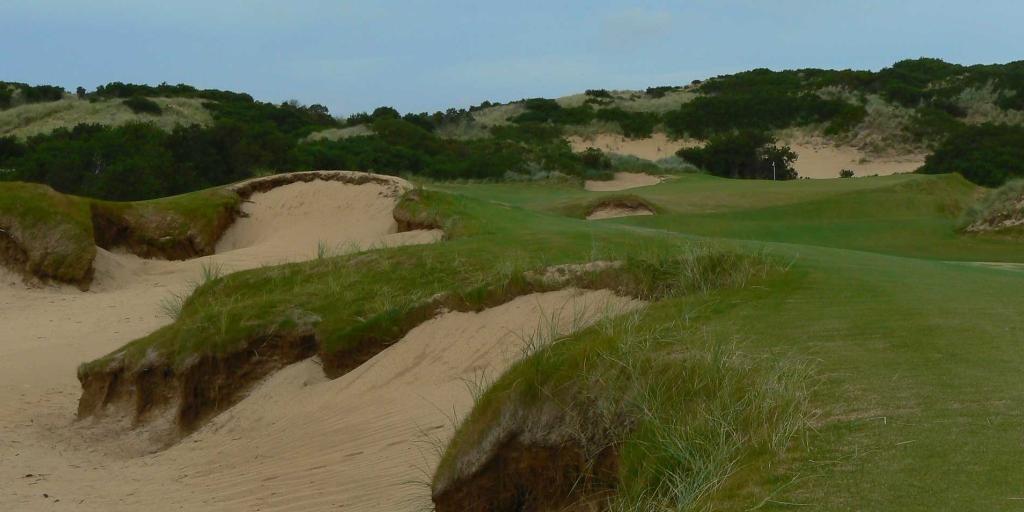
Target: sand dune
[[622, 181], [47, 332], [815, 158]]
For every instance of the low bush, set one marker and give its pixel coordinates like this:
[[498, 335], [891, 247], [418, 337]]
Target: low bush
[[988, 154], [141, 105], [750, 155], [635, 125]]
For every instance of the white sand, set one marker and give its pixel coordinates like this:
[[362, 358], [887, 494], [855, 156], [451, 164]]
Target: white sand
[[622, 181], [611, 212], [47, 332]]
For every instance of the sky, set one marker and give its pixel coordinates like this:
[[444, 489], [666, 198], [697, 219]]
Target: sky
[[353, 56]]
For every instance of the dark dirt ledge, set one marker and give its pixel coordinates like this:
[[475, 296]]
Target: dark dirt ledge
[[521, 476], [207, 386]]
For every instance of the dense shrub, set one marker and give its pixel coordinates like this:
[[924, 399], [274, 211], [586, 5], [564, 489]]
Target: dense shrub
[[660, 91], [706, 116], [988, 154], [745, 154], [633, 124], [28, 93], [540, 110], [593, 158], [141, 105]]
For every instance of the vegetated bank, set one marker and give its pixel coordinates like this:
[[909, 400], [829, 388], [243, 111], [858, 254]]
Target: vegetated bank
[[49, 236]]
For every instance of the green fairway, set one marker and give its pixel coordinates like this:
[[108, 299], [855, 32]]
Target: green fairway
[[922, 404], [916, 402]]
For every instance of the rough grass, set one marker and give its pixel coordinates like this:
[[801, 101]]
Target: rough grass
[[582, 209], [681, 412], [177, 227], [38, 118], [45, 234], [1001, 211], [52, 236]]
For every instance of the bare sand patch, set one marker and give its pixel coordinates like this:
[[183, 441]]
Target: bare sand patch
[[622, 181], [653, 148], [817, 160], [48, 331], [611, 212], [365, 441]]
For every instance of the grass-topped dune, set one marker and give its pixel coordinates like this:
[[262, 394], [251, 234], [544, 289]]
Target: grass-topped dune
[[53, 237], [49, 236]]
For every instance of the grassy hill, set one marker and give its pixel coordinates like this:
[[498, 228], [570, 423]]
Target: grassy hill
[[968, 118], [820, 343], [42, 118]]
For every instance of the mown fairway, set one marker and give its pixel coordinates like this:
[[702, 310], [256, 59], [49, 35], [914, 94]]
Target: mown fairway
[[921, 398]]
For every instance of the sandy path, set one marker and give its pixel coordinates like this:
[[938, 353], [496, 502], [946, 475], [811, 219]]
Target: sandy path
[[46, 333], [622, 181]]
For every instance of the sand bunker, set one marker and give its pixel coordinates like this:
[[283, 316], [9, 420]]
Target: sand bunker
[[365, 441], [611, 212], [622, 181], [47, 332]]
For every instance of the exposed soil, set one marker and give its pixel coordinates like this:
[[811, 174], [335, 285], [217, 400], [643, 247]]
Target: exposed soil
[[521, 477], [154, 235]]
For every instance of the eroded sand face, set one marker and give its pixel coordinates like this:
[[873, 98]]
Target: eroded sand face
[[622, 181], [47, 332]]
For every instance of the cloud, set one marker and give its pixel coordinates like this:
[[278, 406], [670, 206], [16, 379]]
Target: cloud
[[634, 28]]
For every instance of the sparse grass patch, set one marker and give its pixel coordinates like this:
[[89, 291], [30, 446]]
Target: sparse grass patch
[[1001, 211]]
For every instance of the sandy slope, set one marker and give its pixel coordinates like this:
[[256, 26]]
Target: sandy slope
[[815, 158], [653, 148], [46, 333], [622, 181]]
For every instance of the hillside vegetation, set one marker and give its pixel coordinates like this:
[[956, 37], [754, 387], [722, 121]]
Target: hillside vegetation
[[186, 139]]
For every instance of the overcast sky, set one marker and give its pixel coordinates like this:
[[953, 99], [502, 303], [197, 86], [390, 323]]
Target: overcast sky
[[429, 55]]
